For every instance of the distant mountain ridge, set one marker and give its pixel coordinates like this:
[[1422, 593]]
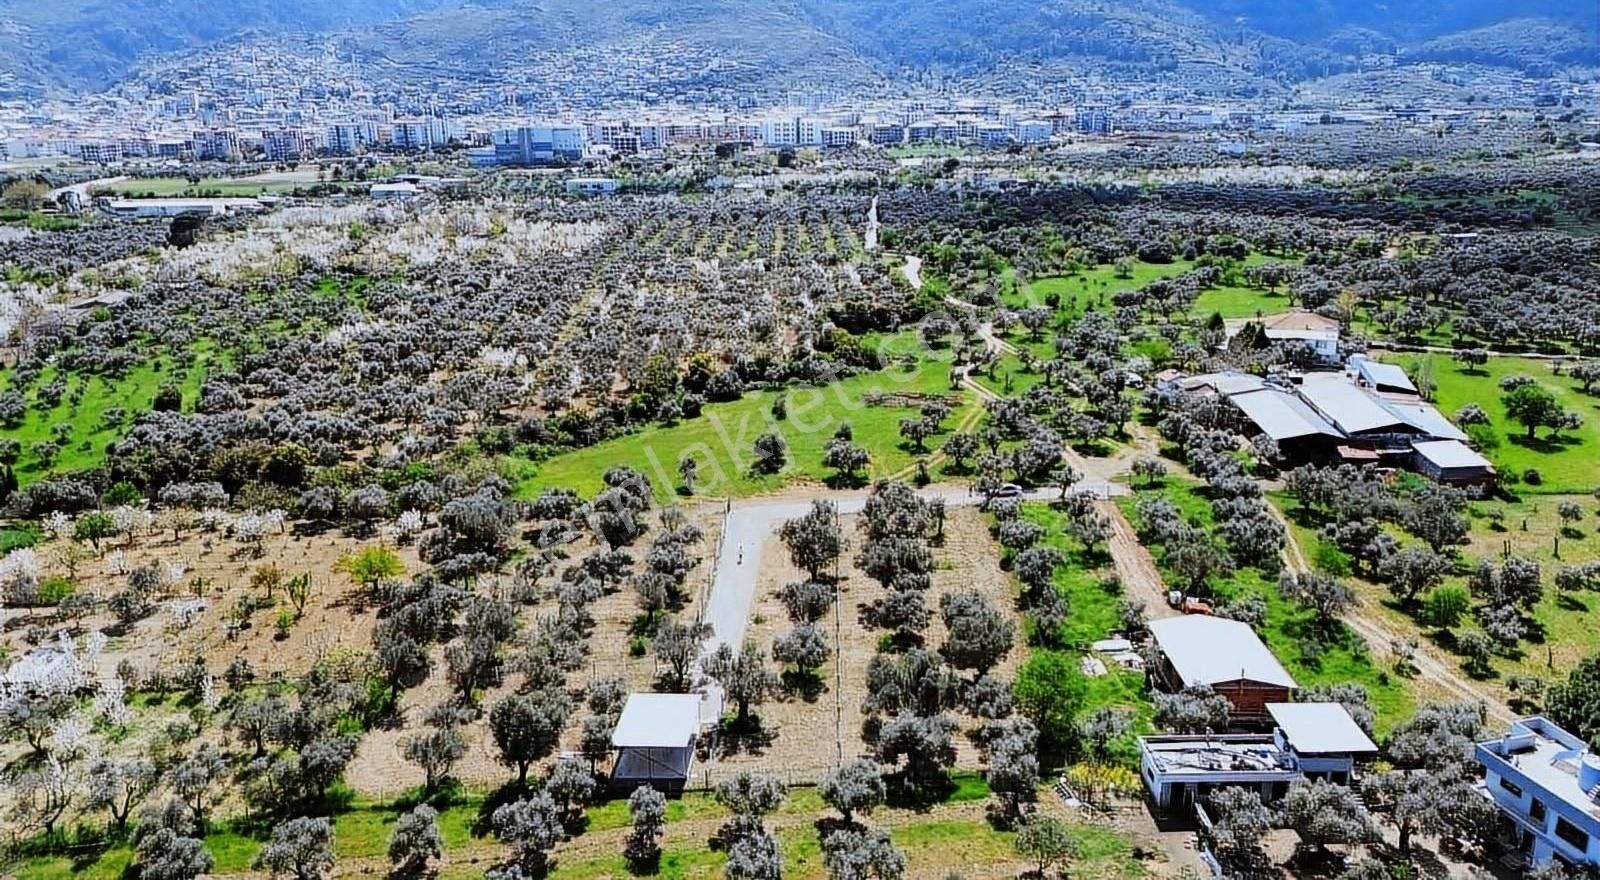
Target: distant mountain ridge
[[90, 44]]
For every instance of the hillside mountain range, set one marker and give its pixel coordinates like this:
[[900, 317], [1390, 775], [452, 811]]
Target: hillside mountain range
[[59, 45]]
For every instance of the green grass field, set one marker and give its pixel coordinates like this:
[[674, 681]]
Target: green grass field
[[1566, 465], [1095, 615], [1094, 288], [1530, 528], [721, 438], [1312, 658], [929, 836], [90, 431], [165, 187]]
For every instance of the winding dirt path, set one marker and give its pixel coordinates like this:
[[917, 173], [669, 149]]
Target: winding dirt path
[[1379, 637]]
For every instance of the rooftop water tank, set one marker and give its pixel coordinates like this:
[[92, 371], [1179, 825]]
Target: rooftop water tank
[[1589, 772]]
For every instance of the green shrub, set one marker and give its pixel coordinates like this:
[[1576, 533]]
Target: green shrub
[[123, 493], [1446, 606], [1484, 437], [1329, 558], [53, 590]]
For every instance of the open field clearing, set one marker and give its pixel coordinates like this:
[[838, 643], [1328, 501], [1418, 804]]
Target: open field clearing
[[1565, 462]]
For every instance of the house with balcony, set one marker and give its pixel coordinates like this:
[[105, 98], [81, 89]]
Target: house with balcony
[[1546, 784]]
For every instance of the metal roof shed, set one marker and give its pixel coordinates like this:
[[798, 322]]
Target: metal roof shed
[[654, 740], [1351, 409], [1321, 729], [1382, 376], [1212, 650], [1426, 418], [1282, 416], [1450, 454]]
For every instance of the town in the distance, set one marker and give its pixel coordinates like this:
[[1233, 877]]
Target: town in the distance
[[823, 440]]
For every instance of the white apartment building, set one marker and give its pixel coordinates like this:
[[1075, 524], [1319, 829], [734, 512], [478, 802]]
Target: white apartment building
[[100, 154], [779, 132], [216, 143], [1033, 131], [349, 138], [411, 134], [284, 144], [835, 137], [808, 132]]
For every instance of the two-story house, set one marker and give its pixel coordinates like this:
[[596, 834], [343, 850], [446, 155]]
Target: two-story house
[[1545, 782]]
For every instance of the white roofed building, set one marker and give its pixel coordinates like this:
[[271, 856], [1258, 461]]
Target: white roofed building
[[1309, 741], [654, 740], [1318, 333], [1326, 741], [1451, 461], [1225, 655]]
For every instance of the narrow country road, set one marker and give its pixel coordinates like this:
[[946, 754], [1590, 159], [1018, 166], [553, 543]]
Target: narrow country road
[[1136, 568], [913, 270], [871, 242], [748, 524], [83, 189]]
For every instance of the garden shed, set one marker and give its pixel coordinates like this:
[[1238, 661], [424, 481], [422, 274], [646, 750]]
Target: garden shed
[[654, 741]]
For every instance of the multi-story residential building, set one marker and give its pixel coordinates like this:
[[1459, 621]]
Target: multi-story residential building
[[1092, 119], [284, 144], [100, 153], [686, 132], [922, 132], [1033, 131], [538, 144], [1546, 784], [834, 137], [653, 136], [215, 144], [993, 135], [808, 132], [349, 138], [779, 132], [887, 133], [411, 134]]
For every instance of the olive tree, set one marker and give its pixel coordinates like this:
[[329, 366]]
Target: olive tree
[[415, 843], [300, 848], [853, 788]]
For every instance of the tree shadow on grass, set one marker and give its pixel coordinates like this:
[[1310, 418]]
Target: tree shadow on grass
[[906, 792], [845, 481], [1568, 601], [1545, 445], [483, 823]]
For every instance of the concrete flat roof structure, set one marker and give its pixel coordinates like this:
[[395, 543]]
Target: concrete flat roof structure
[[1194, 755], [1211, 650], [1321, 729]]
